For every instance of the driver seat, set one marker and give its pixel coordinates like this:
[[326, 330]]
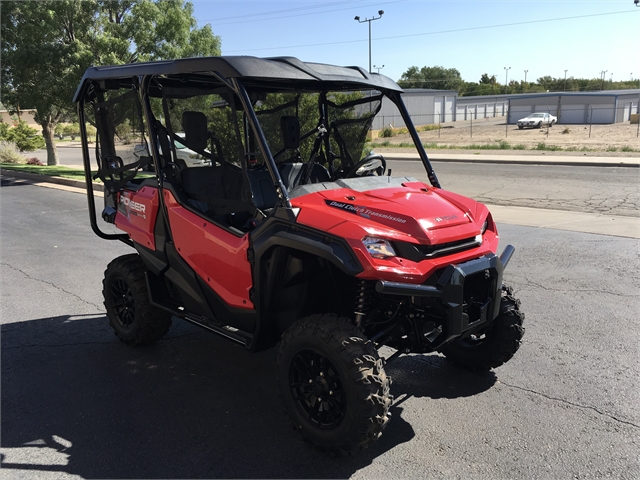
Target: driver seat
[[293, 174]]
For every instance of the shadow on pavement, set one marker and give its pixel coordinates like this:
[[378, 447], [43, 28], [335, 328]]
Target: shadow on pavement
[[76, 400]]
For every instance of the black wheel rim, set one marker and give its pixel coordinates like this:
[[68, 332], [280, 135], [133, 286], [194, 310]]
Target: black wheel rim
[[317, 389], [123, 303]]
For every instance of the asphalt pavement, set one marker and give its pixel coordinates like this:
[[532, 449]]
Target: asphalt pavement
[[77, 403]]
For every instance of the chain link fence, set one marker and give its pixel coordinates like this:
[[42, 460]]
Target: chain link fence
[[598, 132]]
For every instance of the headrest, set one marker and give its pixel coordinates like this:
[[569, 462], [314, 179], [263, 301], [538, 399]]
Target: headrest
[[290, 126], [195, 130]]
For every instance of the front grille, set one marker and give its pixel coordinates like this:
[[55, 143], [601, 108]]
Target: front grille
[[431, 251]]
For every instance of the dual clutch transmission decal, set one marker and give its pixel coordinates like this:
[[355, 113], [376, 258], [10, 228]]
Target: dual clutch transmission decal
[[365, 212]]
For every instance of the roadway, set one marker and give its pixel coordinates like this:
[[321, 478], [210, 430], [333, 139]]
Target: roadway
[[562, 192], [76, 403]]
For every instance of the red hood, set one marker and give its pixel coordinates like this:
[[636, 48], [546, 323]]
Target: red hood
[[428, 215]]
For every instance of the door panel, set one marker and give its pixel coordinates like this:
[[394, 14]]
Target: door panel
[[216, 255]]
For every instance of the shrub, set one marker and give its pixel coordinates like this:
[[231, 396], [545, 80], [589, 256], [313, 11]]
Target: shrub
[[386, 132], [91, 131], [58, 131], [544, 146], [520, 146], [34, 161], [25, 138], [4, 130], [426, 128], [566, 130], [9, 153], [72, 130], [627, 148], [612, 149]]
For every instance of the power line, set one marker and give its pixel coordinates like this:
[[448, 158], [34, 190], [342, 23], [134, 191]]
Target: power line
[[528, 22], [260, 16]]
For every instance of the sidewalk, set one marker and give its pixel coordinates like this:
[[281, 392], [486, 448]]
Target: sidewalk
[[540, 159]]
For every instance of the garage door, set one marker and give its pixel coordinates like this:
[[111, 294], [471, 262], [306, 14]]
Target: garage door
[[573, 114], [460, 111], [448, 108], [552, 109], [600, 114], [519, 111]]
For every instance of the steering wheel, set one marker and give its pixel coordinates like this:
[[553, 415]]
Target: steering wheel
[[369, 164]]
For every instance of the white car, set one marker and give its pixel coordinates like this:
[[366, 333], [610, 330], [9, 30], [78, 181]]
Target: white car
[[186, 156], [537, 120]]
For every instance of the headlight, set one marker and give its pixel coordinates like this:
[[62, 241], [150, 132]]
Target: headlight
[[482, 230], [378, 247]]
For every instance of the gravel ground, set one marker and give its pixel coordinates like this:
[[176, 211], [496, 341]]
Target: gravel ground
[[604, 140]]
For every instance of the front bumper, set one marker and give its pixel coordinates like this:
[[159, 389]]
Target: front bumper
[[469, 294]]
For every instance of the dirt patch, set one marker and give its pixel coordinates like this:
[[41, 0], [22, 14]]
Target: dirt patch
[[617, 140]]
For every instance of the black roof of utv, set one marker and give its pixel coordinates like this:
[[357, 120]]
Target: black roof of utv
[[287, 72]]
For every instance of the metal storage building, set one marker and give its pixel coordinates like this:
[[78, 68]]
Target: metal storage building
[[481, 106], [425, 106], [600, 107]]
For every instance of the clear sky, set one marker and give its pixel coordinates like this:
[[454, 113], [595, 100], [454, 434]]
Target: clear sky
[[545, 37]]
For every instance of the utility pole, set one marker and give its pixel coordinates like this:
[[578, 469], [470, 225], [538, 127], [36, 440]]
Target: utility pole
[[369, 20], [506, 76], [603, 73], [564, 89]]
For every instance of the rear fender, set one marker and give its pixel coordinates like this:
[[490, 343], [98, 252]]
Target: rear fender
[[136, 214]]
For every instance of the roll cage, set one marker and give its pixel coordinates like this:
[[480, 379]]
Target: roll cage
[[241, 86]]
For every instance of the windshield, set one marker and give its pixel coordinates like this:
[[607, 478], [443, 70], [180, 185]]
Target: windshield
[[326, 129], [537, 115]]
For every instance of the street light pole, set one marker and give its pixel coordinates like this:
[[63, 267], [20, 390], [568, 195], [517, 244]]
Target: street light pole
[[369, 20], [506, 76], [603, 73], [564, 89], [525, 80]]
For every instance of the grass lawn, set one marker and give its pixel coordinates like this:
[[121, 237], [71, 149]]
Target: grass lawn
[[50, 170]]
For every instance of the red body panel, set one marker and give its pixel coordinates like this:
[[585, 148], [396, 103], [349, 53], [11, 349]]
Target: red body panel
[[217, 256], [425, 215], [137, 212]]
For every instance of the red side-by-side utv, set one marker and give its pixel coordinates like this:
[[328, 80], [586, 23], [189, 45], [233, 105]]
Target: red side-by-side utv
[[256, 210]]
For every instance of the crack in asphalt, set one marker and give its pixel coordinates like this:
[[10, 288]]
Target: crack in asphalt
[[99, 308], [549, 289], [626, 206], [573, 404]]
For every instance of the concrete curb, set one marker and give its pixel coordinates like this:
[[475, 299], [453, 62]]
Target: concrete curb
[[521, 159]]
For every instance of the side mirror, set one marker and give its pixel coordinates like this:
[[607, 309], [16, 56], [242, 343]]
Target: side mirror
[[290, 127]]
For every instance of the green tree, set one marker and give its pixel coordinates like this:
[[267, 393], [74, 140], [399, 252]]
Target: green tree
[[25, 138], [438, 78], [47, 45], [485, 79]]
